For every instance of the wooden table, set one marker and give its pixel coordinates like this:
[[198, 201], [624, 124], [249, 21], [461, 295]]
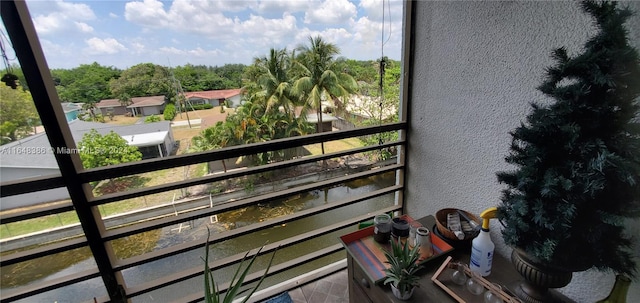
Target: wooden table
[[362, 289]]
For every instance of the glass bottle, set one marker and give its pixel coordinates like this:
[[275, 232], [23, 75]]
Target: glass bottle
[[618, 293], [458, 276]]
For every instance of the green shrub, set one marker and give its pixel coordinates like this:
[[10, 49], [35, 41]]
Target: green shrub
[[169, 112], [151, 119], [193, 107]]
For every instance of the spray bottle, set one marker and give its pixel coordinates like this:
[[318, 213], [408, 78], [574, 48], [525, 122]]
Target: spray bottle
[[482, 246]]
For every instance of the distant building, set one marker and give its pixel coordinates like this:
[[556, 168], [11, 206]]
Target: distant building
[[143, 106], [33, 156], [232, 97], [327, 121]]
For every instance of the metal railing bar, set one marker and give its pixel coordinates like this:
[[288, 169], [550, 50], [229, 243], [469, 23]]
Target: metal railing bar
[[28, 185], [217, 264], [125, 169], [156, 255], [36, 212], [239, 173], [51, 249], [81, 241], [113, 234], [31, 290]]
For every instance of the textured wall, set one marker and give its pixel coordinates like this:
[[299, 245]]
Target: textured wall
[[477, 65]]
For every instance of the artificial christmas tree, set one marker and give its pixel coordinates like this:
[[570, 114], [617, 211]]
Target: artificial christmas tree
[[577, 159]]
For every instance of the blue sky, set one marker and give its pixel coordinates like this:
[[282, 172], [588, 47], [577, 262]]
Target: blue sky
[[172, 33]]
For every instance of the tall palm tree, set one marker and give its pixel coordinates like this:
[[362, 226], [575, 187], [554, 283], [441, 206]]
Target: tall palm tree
[[272, 75], [319, 77]]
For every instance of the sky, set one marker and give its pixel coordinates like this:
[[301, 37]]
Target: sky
[[173, 33]]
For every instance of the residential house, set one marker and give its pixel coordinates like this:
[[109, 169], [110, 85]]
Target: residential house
[[140, 106], [33, 156], [229, 97]]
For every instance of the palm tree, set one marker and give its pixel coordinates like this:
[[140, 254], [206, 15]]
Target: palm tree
[[272, 76], [219, 136], [319, 77]]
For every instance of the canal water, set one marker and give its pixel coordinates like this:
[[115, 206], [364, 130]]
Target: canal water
[[52, 267]]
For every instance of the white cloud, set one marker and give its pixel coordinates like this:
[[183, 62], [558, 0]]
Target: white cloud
[[114, 16], [366, 30], [282, 6], [47, 24], [197, 52], [61, 16], [83, 27], [331, 12], [149, 13], [336, 36], [374, 9], [206, 19], [172, 50], [104, 46], [78, 11], [268, 31], [137, 47]]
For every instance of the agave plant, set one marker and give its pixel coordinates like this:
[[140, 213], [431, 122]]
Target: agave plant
[[212, 292], [404, 266]]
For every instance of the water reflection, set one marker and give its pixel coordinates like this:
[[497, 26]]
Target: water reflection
[[24, 273]]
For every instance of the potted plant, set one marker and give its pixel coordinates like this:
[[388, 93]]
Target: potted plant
[[404, 267], [212, 293], [577, 162]]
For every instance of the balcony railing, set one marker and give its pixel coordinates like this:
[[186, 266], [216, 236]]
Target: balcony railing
[[113, 272]]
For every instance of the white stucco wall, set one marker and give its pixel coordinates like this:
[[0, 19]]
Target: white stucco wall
[[477, 66], [234, 101]]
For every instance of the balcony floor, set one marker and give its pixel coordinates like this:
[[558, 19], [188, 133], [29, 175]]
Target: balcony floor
[[330, 289]]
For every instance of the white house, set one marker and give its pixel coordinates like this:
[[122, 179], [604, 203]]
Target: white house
[[143, 106], [232, 97]]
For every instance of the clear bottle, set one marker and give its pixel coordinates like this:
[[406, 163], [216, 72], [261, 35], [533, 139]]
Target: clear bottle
[[458, 276], [618, 293]]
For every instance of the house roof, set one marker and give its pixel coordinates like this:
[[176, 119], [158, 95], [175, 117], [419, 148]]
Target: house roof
[[146, 139], [214, 94], [41, 155], [136, 102]]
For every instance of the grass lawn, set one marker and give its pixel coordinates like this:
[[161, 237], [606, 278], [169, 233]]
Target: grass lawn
[[121, 120], [334, 146]]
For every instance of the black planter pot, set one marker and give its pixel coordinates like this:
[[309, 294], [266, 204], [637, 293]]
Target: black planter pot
[[538, 278]]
